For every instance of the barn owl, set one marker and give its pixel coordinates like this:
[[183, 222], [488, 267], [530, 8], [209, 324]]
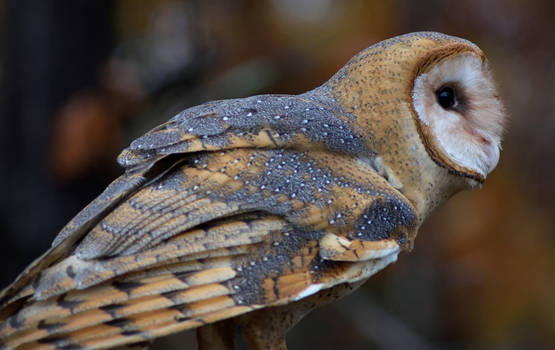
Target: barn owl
[[251, 212]]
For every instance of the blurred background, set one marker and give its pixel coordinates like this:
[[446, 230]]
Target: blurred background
[[81, 79]]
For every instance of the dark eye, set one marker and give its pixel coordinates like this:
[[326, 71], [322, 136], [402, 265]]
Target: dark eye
[[446, 97]]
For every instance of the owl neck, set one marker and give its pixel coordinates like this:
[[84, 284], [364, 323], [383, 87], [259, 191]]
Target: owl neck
[[397, 152], [409, 168]]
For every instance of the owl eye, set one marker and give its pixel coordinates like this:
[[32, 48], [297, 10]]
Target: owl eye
[[446, 97]]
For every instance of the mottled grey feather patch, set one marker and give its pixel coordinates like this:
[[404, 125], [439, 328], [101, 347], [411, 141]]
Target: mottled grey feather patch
[[312, 114], [269, 262], [383, 217], [153, 141]]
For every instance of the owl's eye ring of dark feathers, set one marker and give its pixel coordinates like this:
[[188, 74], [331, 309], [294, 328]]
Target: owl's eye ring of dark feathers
[[447, 97]]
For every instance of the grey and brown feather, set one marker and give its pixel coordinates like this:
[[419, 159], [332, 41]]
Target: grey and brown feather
[[250, 212]]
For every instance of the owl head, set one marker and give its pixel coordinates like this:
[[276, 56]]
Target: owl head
[[458, 111], [431, 110]]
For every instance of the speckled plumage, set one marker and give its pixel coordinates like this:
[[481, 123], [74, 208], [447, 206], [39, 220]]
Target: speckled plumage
[[250, 212]]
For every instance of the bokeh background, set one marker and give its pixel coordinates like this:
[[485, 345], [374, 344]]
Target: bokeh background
[[81, 79]]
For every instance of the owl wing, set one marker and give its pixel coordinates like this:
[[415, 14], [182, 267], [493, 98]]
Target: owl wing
[[178, 242], [304, 122], [208, 240]]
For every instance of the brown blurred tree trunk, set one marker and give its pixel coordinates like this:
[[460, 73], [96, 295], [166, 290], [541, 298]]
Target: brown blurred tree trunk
[[51, 50]]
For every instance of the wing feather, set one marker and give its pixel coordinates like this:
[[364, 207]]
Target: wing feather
[[258, 122], [211, 236], [177, 253]]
